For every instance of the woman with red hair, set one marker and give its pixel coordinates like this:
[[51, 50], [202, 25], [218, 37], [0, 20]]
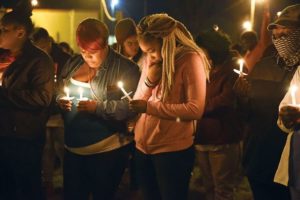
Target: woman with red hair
[[96, 140]]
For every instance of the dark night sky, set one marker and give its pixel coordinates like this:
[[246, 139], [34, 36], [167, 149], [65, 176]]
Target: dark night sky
[[197, 15]]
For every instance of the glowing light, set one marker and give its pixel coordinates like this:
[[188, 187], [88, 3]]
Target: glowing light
[[67, 91], [34, 3], [278, 14], [113, 4], [293, 90], [121, 86], [80, 91], [241, 62], [240, 71], [247, 25]]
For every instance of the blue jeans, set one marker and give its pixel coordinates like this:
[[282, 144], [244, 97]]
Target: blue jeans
[[165, 176]]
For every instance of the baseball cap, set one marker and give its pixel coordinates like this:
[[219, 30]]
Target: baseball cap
[[289, 17]]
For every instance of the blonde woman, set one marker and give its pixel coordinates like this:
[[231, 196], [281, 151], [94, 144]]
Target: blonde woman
[[170, 96]]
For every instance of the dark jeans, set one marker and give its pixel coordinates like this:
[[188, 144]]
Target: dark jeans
[[165, 175], [20, 169], [268, 191], [98, 174]]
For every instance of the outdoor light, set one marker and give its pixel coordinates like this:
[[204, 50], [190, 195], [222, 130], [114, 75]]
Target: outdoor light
[[247, 25], [216, 27], [34, 3], [113, 4]]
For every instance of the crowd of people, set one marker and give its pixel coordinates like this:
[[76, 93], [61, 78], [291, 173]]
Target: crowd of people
[[157, 102]]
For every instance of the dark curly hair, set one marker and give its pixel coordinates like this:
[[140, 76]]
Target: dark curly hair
[[216, 43]]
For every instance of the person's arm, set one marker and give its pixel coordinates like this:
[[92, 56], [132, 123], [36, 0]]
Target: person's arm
[[253, 56], [143, 92], [265, 38], [36, 95], [194, 83], [119, 109]]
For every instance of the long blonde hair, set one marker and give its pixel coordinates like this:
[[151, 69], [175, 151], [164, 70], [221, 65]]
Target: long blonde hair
[[173, 33]]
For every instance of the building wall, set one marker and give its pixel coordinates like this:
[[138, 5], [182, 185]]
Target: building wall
[[62, 24]]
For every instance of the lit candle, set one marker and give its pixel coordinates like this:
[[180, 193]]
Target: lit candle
[[120, 85], [278, 14], [293, 90], [67, 91], [241, 62], [80, 90], [240, 71]]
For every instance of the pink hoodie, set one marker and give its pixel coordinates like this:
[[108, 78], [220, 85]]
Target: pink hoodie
[[169, 126]]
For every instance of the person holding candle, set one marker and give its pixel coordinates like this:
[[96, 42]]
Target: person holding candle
[[170, 96], [95, 114], [288, 171], [25, 96], [269, 83], [219, 131]]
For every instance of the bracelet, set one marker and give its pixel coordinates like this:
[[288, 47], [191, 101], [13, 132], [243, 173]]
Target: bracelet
[[148, 83]]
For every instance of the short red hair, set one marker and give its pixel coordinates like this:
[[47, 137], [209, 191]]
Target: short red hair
[[92, 35]]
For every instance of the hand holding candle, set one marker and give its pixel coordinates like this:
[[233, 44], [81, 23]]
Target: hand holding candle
[[289, 115], [241, 65], [120, 85], [67, 92]]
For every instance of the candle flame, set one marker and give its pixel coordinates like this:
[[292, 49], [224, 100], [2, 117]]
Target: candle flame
[[241, 61], [120, 84], [278, 14], [67, 90], [216, 27]]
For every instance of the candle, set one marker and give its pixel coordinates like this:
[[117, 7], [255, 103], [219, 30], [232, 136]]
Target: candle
[[293, 90], [241, 62], [278, 14], [240, 71], [80, 90], [67, 91], [120, 85]]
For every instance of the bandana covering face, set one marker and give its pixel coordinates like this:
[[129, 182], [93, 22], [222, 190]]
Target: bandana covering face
[[288, 47]]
